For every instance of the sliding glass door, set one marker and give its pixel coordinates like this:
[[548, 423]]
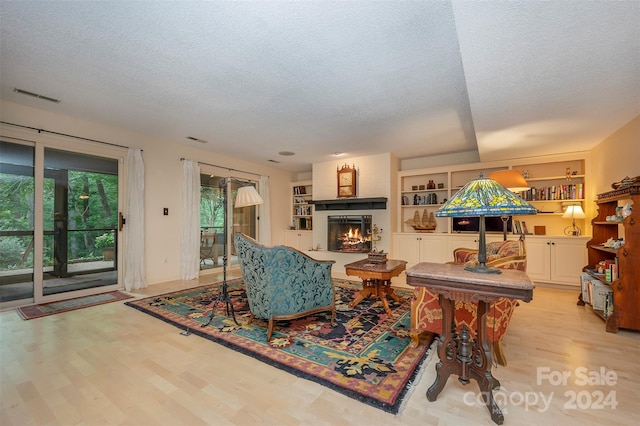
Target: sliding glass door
[[211, 221], [244, 219], [213, 190], [80, 221], [58, 223], [17, 196]]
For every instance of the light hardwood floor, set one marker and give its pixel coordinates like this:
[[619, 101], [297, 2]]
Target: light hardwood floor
[[112, 365]]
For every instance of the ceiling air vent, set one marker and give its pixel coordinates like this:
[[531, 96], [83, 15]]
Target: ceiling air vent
[[35, 95], [191, 138]]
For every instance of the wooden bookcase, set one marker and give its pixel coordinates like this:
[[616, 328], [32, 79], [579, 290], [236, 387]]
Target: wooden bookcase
[[625, 287]]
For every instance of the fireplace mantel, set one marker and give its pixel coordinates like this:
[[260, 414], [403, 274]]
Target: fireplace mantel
[[379, 203]]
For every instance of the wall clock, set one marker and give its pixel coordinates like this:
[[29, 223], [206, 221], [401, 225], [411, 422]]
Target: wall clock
[[347, 181]]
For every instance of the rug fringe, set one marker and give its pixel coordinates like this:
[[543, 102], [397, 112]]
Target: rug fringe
[[411, 385]]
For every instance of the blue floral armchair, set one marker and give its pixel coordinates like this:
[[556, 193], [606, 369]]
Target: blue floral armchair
[[283, 283]]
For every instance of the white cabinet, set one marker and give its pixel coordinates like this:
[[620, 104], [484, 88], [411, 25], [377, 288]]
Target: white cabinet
[[416, 248], [301, 240], [557, 260]]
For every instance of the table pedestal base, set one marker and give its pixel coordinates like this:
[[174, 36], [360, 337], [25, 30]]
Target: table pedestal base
[[465, 357], [379, 289]]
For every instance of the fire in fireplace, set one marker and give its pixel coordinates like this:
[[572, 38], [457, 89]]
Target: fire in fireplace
[[349, 234]]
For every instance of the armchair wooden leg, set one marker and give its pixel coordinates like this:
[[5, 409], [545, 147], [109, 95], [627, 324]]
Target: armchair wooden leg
[[270, 329], [415, 337], [498, 354]]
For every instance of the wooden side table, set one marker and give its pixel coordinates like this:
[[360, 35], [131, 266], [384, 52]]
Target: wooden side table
[[459, 354], [376, 280]]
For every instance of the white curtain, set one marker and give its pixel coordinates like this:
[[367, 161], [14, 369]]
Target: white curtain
[[190, 246], [264, 211], [134, 272]]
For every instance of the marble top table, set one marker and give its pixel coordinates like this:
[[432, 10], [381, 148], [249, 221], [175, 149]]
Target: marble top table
[[376, 280], [459, 354]]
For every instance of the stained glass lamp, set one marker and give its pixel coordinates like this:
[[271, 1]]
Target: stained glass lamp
[[479, 198]]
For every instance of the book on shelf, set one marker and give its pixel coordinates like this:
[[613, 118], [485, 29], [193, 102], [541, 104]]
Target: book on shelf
[[608, 304], [595, 272], [516, 227], [554, 193], [611, 270]]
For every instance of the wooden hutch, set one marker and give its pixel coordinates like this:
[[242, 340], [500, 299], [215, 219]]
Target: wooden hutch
[[625, 287]]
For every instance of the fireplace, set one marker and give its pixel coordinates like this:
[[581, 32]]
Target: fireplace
[[349, 234]]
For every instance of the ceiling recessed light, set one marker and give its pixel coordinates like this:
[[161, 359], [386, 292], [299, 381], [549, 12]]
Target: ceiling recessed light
[[286, 153], [338, 154]]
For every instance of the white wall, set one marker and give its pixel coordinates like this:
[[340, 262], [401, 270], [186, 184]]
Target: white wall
[[163, 177], [440, 160], [616, 157], [376, 177]]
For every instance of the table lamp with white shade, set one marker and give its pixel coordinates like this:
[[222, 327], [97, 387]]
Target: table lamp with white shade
[[573, 212]]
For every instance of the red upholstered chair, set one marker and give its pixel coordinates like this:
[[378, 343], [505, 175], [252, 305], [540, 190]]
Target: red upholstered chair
[[426, 314]]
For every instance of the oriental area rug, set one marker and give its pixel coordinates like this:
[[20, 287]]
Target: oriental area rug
[[51, 308], [367, 356]]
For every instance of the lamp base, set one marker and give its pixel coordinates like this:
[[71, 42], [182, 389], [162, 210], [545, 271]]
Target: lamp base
[[482, 268], [572, 231]]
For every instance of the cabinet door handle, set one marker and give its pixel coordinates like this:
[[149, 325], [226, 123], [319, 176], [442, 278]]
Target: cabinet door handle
[[553, 244], [548, 243], [625, 252], [619, 286]]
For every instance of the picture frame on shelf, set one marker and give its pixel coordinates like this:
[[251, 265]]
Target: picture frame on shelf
[[540, 230]]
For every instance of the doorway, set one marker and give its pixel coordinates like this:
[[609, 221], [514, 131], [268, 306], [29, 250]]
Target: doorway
[[212, 210], [59, 230]]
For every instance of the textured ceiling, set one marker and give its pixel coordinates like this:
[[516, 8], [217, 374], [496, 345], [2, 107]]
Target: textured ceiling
[[418, 78]]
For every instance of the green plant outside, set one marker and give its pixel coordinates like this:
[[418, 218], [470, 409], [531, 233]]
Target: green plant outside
[[16, 214], [105, 240]]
